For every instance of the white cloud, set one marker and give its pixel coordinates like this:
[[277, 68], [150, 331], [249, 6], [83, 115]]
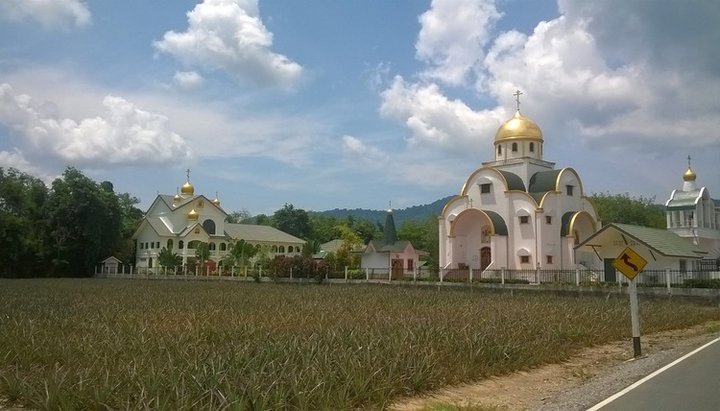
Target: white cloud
[[356, 150], [51, 14], [438, 121], [123, 134], [17, 160], [580, 76], [452, 36], [228, 35], [188, 80]]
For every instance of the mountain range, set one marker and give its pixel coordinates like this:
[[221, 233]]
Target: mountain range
[[418, 213]]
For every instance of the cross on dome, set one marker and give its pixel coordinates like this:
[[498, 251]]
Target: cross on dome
[[517, 95]]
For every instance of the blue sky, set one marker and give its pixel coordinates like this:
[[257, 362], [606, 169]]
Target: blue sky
[[326, 103]]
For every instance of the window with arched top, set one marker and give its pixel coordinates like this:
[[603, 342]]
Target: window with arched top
[[169, 245], [290, 249], [181, 244], [223, 247], [499, 150], [532, 147], [514, 147], [209, 226], [281, 249], [274, 249], [211, 246]]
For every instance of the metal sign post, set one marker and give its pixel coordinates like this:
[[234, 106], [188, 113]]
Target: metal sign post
[[630, 263]]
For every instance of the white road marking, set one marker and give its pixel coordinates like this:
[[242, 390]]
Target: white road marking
[[649, 377]]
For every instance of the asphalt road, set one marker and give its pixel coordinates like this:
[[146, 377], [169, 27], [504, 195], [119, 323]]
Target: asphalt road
[[688, 384]]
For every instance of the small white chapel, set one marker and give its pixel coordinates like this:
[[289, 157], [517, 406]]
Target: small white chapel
[[517, 212], [694, 215]]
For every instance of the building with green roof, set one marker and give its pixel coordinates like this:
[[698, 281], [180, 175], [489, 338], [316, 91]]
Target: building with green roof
[[517, 211], [180, 222], [694, 215]]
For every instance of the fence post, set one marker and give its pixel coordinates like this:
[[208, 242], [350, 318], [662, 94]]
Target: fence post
[[415, 271], [502, 275], [577, 277], [441, 275], [232, 271], [470, 277], [667, 280], [291, 273], [367, 274], [537, 274], [346, 273], [389, 274]]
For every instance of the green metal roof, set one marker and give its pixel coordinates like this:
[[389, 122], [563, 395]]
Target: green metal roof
[[565, 223], [543, 181], [683, 200], [514, 182], [260, 233], [498, 222], [660, 240]]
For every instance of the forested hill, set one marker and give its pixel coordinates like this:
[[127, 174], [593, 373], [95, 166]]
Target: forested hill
[[417, 213]]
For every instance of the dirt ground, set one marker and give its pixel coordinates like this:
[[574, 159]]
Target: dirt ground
[[532, 389]]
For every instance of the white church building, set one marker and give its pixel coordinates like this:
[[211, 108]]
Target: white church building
[[517, 212], [180, 222], [694, 215]]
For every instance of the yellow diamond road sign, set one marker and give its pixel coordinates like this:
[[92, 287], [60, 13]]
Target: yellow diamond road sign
[[629, 263]]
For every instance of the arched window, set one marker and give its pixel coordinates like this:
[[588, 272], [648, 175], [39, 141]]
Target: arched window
[[223, 247], [211, 247], [169, 244], [532, 147], [274, 249], [290, 249], [181, 244], [514, 147], [281, 249], [499, 150], [209, 226], [193, 244]]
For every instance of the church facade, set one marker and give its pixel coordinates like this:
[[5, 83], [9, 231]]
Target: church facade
[[694, 215], [179, 223], [518, 211]]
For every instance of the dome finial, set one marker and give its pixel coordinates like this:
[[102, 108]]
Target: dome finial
[[187, 188], [689, 174], [517, 95]]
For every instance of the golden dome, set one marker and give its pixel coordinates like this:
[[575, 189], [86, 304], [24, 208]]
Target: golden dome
[[519, 127], [187, 188], [689, 175], [192, 215], [216, 201], [177, 198]]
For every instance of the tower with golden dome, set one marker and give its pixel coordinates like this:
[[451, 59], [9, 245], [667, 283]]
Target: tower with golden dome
[[517, 211], [694, 215], [181, 222]]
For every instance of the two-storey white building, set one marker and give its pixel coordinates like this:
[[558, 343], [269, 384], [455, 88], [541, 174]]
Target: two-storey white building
[[694, 215], [517, 212], [179, 223]]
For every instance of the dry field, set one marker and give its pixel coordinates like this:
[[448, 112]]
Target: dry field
[[131, 344]]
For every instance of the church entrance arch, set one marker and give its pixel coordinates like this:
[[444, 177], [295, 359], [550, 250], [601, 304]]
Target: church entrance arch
[[471, 232], [485, 258]]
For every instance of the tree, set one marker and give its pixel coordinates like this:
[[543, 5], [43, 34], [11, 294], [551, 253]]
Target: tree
[[22, 247], [624, 209], [202, 252], [351, 242], [83, 223], [238, 216], [293, 221], [169, 259], [240, 254], [311, 247]]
